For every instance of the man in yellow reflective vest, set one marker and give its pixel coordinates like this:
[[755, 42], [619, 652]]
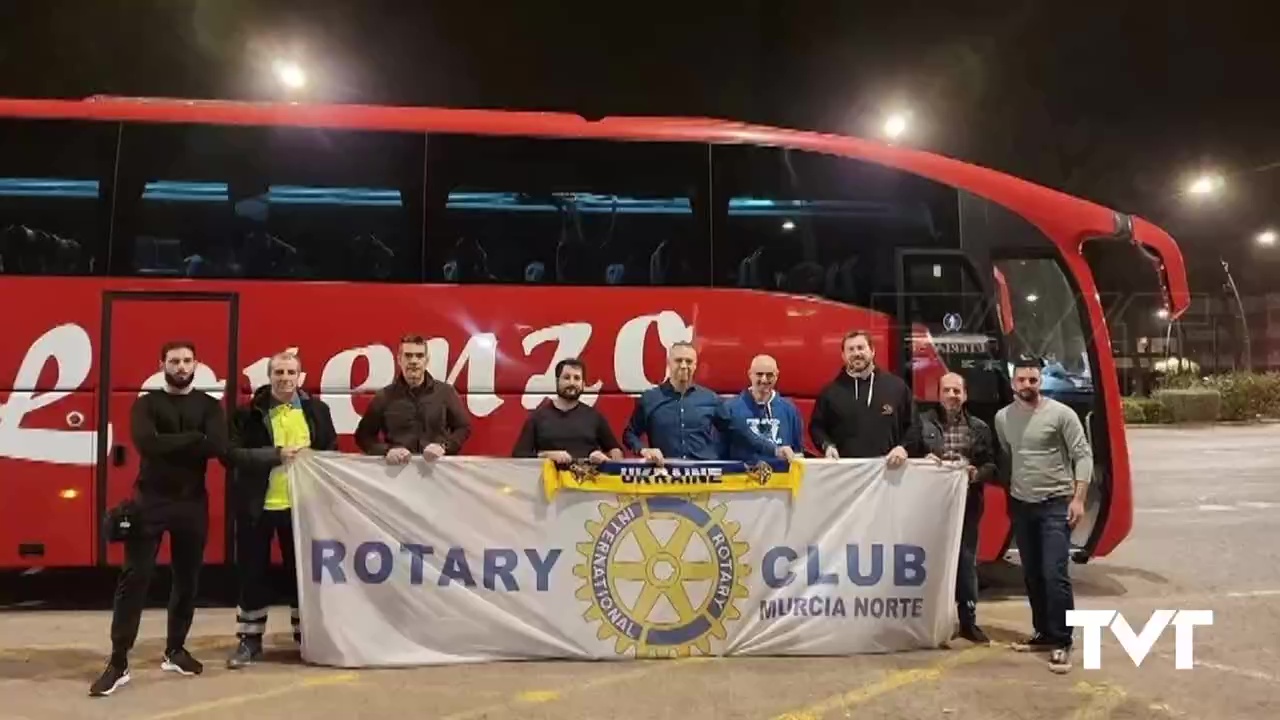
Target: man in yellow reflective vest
[[269, 432]]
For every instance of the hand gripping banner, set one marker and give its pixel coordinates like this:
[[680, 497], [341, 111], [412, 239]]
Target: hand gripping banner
[[475, 559]]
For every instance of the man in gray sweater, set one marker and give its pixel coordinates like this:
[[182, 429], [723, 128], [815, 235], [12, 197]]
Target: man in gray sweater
[[1051, 466]]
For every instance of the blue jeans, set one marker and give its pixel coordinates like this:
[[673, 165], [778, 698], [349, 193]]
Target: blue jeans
[[1044, 546]]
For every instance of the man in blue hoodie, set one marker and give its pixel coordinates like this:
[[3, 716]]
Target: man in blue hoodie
[[680, 419], [766, 412]]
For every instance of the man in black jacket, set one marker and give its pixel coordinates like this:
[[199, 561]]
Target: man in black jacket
[[177, 430], [865, 411], [266, 435], [955, 435]]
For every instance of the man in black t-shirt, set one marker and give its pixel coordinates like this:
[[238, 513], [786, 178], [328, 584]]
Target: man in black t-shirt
[[176, 431], [565, 429]]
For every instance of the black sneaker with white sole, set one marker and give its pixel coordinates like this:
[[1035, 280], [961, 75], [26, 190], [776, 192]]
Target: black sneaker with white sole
[[112, 679], [180, 661], [1036, 644]]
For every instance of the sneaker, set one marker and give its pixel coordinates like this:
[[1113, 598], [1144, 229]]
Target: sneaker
[[1037, 643], [180, 661], [1060, 660], [974, 634], [249, 652], [113, 678]]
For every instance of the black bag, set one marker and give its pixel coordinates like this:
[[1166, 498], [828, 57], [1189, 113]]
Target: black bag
[[123, 522]]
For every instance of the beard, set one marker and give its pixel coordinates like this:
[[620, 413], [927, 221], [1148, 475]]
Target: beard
[[569, 393], [178, 381], [1029, 395]]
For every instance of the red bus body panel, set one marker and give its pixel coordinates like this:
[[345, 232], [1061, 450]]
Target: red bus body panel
[[509, 336], [498, 345]]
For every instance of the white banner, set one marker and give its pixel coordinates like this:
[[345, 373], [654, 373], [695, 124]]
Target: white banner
[[467, 560]]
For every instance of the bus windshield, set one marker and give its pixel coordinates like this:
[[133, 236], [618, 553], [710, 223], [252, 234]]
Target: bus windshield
[[1047, 324]]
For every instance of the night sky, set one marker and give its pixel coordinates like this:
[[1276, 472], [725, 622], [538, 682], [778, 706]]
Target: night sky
[[1114, 101]]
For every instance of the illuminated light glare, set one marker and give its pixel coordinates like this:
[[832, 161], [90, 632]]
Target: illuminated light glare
[[290, 74], [1163, 313], [895, 125], [1032, 297], [1267, 237], [1206, 184], [788, 225], [69, 494]]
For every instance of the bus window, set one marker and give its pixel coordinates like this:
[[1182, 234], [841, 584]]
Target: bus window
[[811, 224], [55, 207], [566, 212], [953, 328], [1046, 322], [259, 202]]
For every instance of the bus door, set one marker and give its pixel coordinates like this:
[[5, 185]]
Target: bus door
[[134, 327], [1046, 321], [948, 321]]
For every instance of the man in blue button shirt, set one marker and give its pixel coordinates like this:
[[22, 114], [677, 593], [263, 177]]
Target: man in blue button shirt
[[680, 419]]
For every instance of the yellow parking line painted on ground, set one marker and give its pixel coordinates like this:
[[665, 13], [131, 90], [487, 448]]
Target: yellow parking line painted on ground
[[231, 700], [538, 696], [530, 697], [1103, 698], [889, 683]]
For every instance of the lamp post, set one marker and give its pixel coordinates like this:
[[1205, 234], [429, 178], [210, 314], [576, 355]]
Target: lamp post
[[1163, 315], [1244, 323], [1209, 185]]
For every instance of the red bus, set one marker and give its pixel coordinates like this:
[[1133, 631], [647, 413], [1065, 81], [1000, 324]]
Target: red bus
[[512, 240]]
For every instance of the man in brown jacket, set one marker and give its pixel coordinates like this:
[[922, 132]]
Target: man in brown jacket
[[415, 414]]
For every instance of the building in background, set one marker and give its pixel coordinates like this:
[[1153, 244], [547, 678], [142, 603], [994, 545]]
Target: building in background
[[1210, 335]]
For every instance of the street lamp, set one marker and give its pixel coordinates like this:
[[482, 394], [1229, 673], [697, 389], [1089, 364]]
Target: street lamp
[[290, 74], [895, 125], [1206, 185], [1210, 184]]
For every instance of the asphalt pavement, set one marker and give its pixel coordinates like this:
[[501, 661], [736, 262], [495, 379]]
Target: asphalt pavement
[[1205, 537]]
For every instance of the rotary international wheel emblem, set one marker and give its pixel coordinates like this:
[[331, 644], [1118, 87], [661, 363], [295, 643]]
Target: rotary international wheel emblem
[[662, 598]]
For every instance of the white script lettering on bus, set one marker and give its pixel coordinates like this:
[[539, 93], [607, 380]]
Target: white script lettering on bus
[[71, 351], [1138, 645]]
